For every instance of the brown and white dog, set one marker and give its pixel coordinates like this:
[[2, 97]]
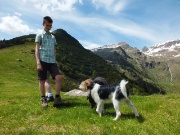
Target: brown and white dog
[[98, 80], [114, 92]]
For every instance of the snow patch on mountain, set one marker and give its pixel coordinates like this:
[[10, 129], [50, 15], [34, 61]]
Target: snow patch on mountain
[[170, 47], [177, 55], [106, 46]]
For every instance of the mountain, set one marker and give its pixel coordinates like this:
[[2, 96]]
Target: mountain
[[77, 63], [168, 53], [130, 62], [167, 49], [138, 65]]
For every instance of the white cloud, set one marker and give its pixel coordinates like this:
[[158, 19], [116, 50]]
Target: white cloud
[[38, 31], [102, 3], [50, 6], [90, 24], [89, 45], [120, 5], [112, 6], [17, 14], [13, 25], [119, 26]]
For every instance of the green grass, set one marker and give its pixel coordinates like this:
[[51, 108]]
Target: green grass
[[21, 112]]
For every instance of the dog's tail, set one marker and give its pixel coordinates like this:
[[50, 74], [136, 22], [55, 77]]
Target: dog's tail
[[123, 87]]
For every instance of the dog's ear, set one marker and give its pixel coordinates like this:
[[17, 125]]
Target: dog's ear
[[88, 82]]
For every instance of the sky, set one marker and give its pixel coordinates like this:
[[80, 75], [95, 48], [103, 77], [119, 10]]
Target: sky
[[95, 23]]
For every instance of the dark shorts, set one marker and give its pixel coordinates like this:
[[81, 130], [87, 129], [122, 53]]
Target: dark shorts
[[48, 76], [51, 67]]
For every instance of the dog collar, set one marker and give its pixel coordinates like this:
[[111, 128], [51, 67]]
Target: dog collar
[[91, 86]]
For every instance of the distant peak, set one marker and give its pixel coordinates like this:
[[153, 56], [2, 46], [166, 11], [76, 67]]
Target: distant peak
[[111, 46], [122, 43], [144, 49], [167, 43], [167, 49]]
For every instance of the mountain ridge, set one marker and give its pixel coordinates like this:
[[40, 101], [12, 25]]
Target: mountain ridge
[[159, 70], [77, 64], [166, 49]]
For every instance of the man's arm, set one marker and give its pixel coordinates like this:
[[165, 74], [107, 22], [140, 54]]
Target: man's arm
[[39, 66]]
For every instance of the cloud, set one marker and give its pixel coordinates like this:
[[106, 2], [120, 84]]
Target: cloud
[[105, 26], [13, 25], [98, 21], [112, 6], [89, 45], [17, 14], [50, 6]]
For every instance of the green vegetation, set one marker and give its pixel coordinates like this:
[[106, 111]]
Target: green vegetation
[[75, 63], [21, 112], [129, 63], [17, 40], [147, 75], [79, 63], [151, 73]]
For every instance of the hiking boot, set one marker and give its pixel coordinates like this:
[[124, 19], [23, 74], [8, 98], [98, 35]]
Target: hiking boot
[[50, 99], [44, 102], [57, 102]]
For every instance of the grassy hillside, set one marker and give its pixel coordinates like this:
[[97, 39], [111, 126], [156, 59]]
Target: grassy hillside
[[161, 73], [131, 66], [21, 112], [17, 64], [150, 72], [79, 63], [75, 63], [147, 75]]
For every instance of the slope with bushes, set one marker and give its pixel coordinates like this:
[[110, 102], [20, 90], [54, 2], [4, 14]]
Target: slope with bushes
[[77, 64]]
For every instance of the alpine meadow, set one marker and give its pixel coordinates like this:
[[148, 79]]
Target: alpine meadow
[[21, 112]]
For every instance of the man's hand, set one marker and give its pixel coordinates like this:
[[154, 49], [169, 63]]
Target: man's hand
[[39, 67]]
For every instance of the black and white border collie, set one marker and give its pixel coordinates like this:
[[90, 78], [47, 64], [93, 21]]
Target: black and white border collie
[[100, 81], [114, 93]]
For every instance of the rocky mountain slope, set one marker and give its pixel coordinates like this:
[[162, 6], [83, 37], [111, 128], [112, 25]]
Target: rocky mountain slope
[[157, 65], [167, 49]]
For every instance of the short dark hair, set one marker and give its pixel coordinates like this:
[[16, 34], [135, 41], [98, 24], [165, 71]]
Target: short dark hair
[[47, 18]]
